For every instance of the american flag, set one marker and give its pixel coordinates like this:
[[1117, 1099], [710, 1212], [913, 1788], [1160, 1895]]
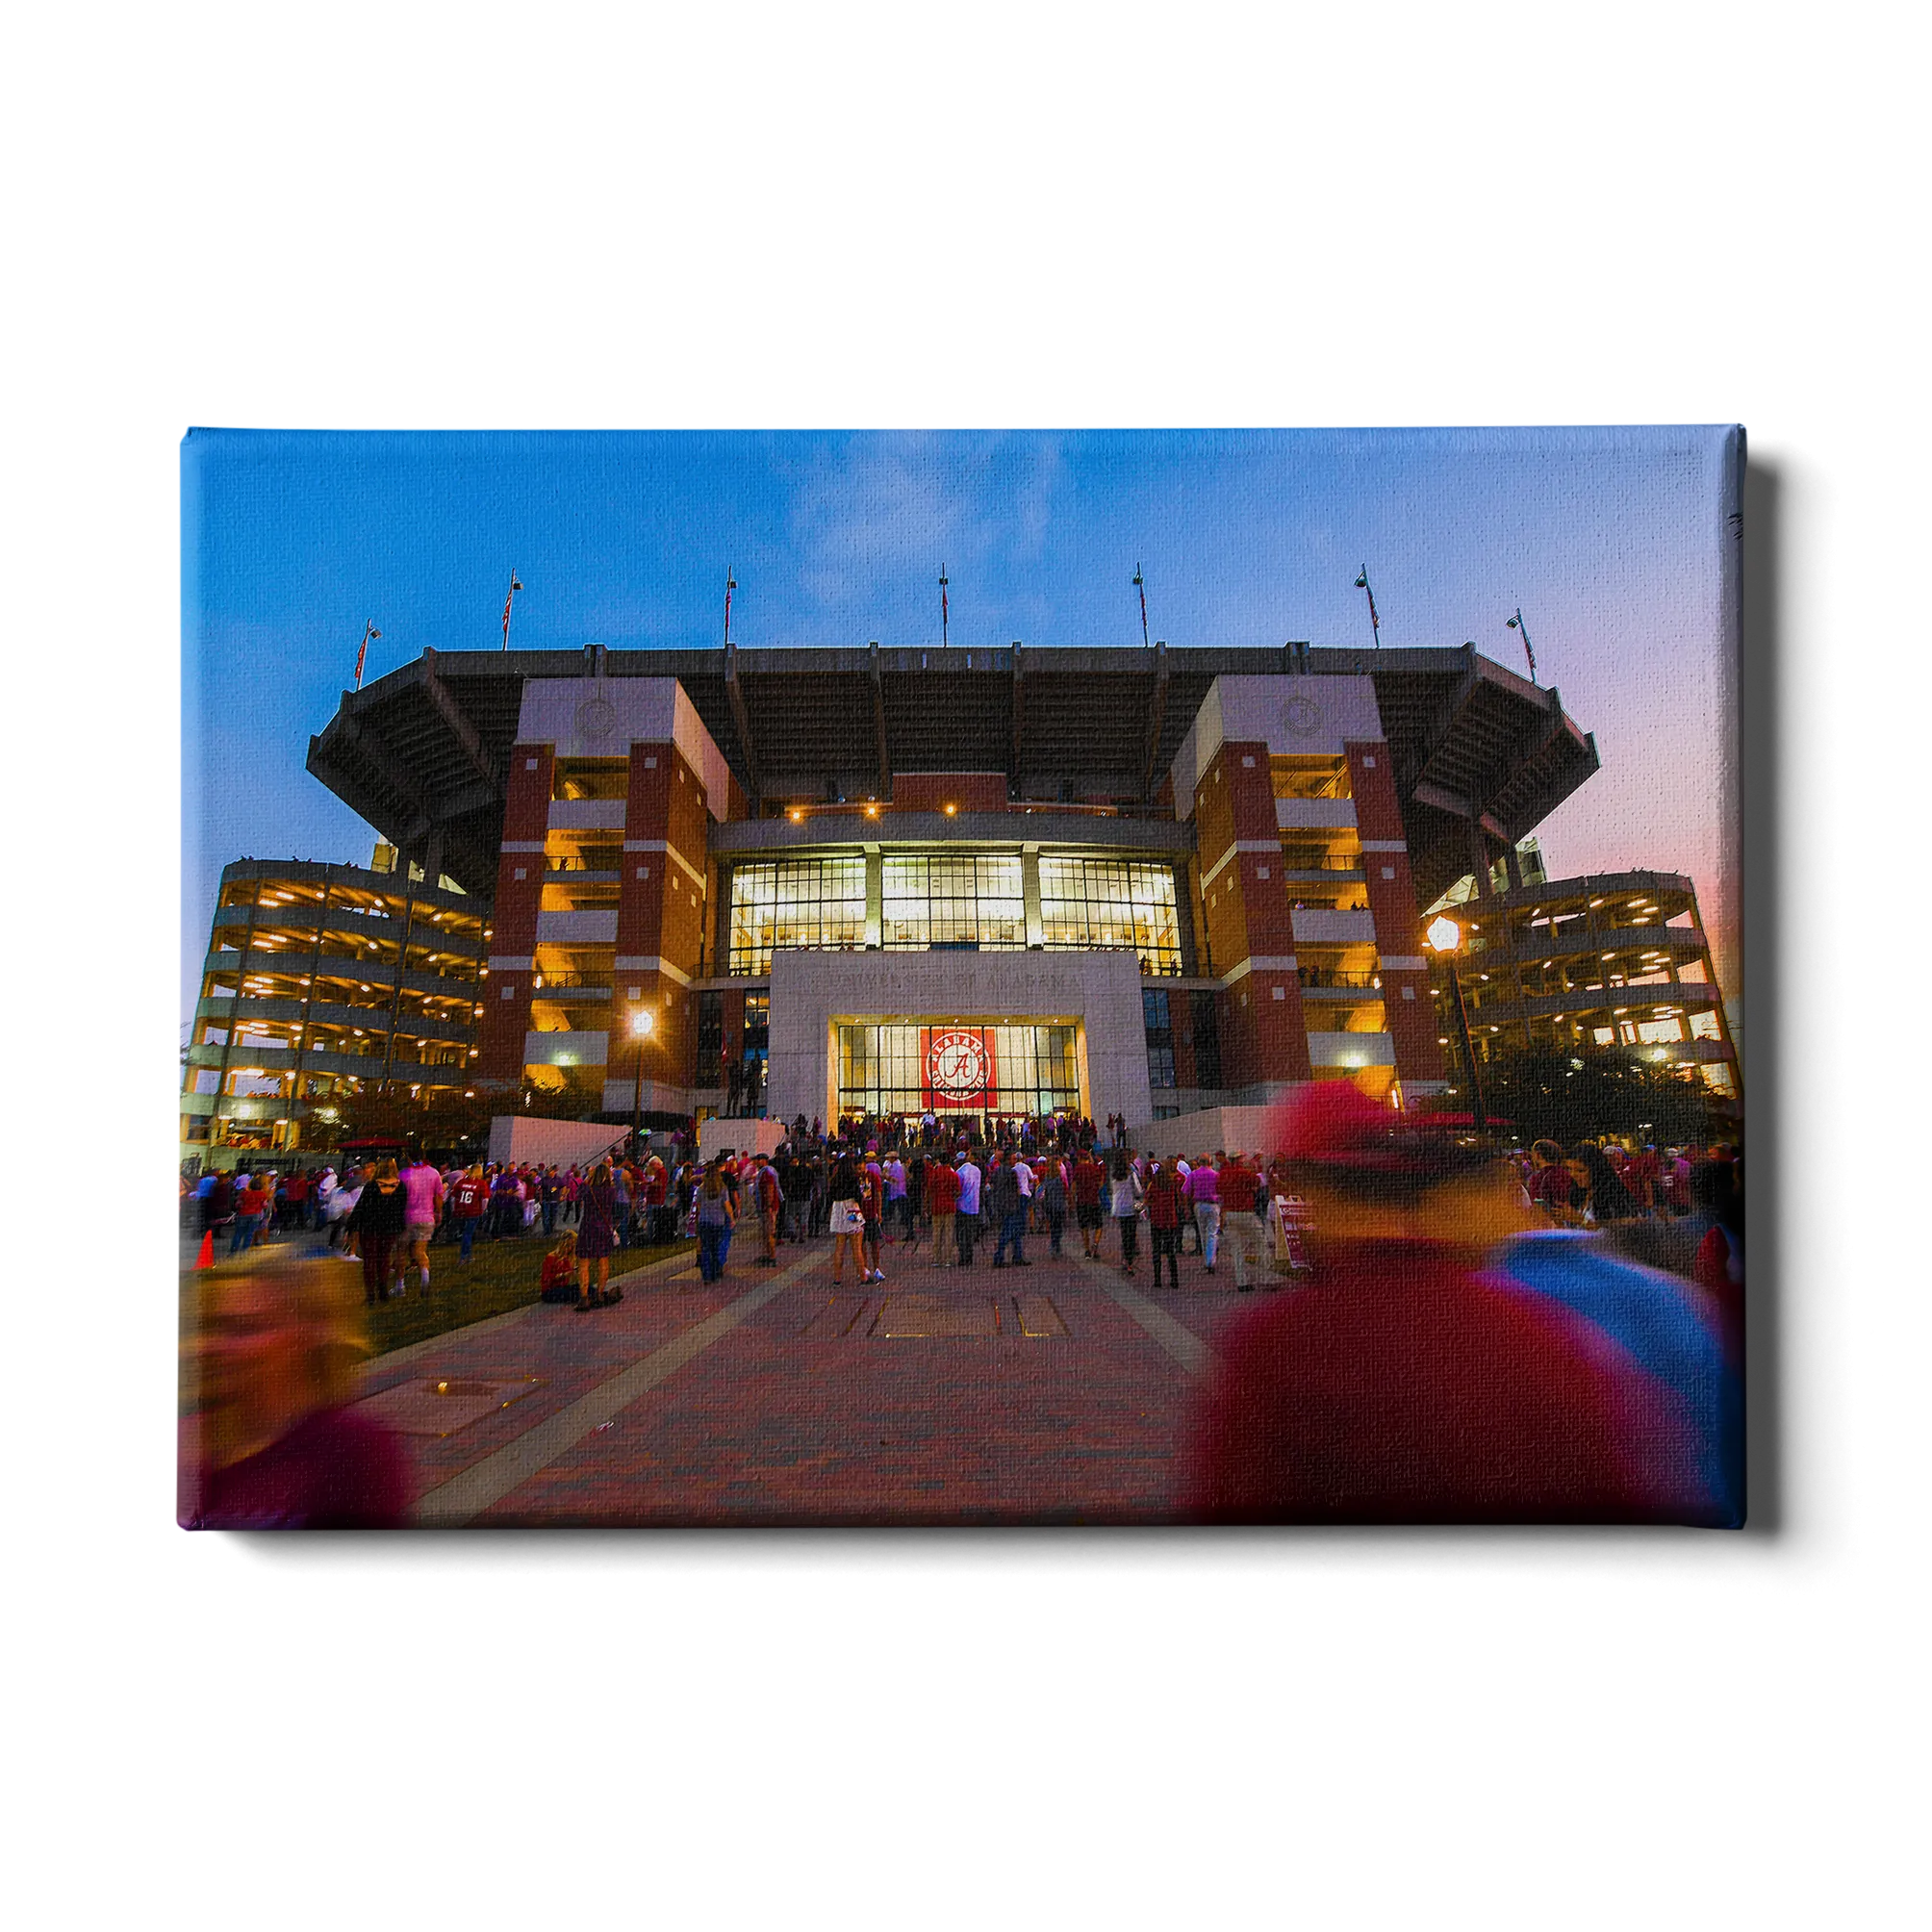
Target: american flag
[[507, 602]]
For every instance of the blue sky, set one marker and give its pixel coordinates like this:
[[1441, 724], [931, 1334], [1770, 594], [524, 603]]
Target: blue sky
[[1607, 539]]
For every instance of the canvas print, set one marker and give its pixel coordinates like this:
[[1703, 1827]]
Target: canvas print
[[669, 919]]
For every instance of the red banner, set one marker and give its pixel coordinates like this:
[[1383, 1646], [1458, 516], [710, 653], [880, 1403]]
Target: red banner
[[959, 1068]]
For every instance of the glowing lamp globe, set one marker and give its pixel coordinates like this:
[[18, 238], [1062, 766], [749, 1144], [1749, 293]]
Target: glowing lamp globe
[[1444, 934]]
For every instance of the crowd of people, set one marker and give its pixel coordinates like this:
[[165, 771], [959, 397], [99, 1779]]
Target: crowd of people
[[1533, 1333]]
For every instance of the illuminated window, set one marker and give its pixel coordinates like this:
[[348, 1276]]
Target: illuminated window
[[1034, 1070], [794, 902], [1093, 902], [954, 900]]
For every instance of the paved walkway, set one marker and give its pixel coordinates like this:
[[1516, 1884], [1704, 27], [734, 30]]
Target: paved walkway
[[1058, 1392]]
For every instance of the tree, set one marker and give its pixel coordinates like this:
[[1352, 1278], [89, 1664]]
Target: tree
[[1549, 1094]]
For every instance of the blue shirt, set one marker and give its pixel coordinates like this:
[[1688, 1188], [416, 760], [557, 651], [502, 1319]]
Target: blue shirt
[[1658, 1325]]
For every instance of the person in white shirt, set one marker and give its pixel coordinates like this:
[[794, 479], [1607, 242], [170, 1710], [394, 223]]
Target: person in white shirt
[[968, 1223]]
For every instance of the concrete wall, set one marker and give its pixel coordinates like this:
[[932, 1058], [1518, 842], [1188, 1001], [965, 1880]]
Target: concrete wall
[[515, 1136], [740, 1134], [812, 991], [1230, 1129]]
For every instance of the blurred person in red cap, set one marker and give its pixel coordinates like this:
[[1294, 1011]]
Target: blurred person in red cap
[[273, 1442], [1444, 1364]]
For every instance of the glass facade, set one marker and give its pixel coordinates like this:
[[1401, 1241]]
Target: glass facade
[[952, 901], [801, 902], [1091, 902], [900, 1069]]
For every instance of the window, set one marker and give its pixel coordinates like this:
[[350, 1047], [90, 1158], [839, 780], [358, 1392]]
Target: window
[[1157, 1018], [1089, 904], [1034, 1069], [952, 901], [756, 1022], [794, 902], [1207, 1041], [710, 1039], [757, 1043]]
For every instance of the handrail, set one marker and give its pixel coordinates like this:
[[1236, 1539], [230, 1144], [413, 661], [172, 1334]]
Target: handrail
[[874, 808]]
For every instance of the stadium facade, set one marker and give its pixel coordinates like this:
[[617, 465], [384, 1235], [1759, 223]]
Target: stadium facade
[[1015, 880]]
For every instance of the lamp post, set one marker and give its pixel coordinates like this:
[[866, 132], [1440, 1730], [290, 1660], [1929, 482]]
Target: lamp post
[[639, 1026], [1362, 583], [1516, 623], [1446, 938]]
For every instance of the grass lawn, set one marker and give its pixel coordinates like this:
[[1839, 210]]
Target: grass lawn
[[498, 1275]]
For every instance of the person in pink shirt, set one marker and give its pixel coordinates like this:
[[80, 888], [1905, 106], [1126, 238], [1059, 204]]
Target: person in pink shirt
[[423, 1190], [1204, 1195]]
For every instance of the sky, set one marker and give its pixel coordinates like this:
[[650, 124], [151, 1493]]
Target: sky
[[1609, 542]]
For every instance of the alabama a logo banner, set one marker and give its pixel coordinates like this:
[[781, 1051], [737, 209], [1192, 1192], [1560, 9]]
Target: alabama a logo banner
[[959, 1069]]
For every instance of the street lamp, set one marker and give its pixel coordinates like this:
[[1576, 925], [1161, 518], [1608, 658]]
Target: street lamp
[[1446, 936], [639, 1026]]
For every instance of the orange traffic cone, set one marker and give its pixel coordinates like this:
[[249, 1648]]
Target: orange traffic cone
[[205, 1255]]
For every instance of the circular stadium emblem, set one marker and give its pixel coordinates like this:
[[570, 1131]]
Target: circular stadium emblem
[[956, 1064], [1305, 717], [596, 720]]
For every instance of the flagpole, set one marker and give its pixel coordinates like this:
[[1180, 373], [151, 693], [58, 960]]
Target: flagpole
[[1140, 584], [1528, 649], [514, 587], [369, 631], [1362, 583], [943, 611], [730, 585]]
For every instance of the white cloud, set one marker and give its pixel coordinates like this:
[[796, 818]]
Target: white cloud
[[884, 513]]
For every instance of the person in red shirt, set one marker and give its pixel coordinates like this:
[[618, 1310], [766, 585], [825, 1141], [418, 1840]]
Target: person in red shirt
[[1441, 1368], [657, 1195], [1241, 1228], [1550, 1187], [1163, 1219], [872, 1204], [470, 1199], [942, 1205], [770, 1197], [251, 1211], [558, 1281], [1089, 1181]]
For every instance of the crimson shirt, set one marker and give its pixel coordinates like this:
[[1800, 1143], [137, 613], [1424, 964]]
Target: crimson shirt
[[1237, 1189], [333, 1471], [1403, 1387]]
